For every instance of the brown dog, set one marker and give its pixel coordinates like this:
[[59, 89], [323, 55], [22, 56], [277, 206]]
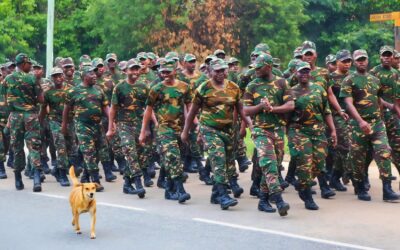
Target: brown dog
[[82, 200]]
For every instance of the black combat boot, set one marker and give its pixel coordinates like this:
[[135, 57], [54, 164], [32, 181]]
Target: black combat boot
[[108, 172], [284, 184], [214, 199], [127, 187], [146, 178], [236, 189], [204, 176], [224, 199], [151, 169], [37, 183], [309, 202], [121, 164], [189, 165], [56, 173], [94, 175], [10, 160], [290, 175], [388, 193], [180, 190], [85, 178], [362, 193], [64, 182], [161, 178], [19, 185], [282, 206], [264, 205], [326, 192], [243, 163], [335, 181], [46, 168], [255, 187], [3, 174], [139, 187], [170, 193]]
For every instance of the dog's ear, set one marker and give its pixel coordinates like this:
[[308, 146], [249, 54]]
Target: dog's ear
[[97, 185]]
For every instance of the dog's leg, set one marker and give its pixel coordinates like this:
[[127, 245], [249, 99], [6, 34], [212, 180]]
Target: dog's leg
[[76, 219], [92, 224]]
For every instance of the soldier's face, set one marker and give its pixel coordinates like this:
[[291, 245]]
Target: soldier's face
[[144, 62], [332, 67], [100, 69], [11, 68], [111, 63], [69, 70], [303, 75], [190, 66], [396, 62], [90, 78], [234, 67], [58, 79], [386, 59], [221, 55], [345, 65], [26, 67], [38, 72], [219, 75], [168, 75], [133, 73], [361, 64], [310, 57], [263, 71]]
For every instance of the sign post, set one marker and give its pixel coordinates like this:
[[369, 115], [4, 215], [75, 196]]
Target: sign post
[[393, 16]]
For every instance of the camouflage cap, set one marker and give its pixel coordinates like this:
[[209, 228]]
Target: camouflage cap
[[96, 62], [202, 66], [167, 65], [297, 52], [293, 63], [303, 65], [141, 55], [88, 69], [122, 65], [233, 60], [111, 56], [56, 71], [219, 51], [257, 53], [189, 57], [160, 61], [84, 58], [262, 60], [22, 58], [151, 56], [218, 63], [209, 58], [308, 46], [57, 60], [386, 48], [276, 61], [357, 54], [172, 55], [132, 63], [68, 62], [36, 64], [343, 55], [396, 54], [9, 64], [330, 59], [262, 47]]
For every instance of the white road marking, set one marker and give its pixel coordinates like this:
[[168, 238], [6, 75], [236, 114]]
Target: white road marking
[[98, 203], [280, 233]]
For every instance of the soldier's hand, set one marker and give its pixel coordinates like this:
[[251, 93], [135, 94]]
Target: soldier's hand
[[334, 139], [142, 138], [184, 137], [365, 127], [344, 115], [110, 134]]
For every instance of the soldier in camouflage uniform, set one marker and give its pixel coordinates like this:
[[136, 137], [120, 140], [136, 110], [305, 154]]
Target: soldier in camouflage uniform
[[234, 69], [340, 154], [330, 63], [3, 121], [390, 87], [361, 92], [23, 94], [168, 100], [54, 98], [106, 83], [10, 161], [128, 103], [218, 98], [396, 61], [112, 70], [266, 99], [89, 104], [306, 135], [72, 77]]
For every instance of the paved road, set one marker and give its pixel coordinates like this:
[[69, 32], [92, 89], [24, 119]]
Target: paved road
[[43, 221]]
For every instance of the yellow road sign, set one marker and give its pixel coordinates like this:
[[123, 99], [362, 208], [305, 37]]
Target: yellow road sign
[[380, 17]]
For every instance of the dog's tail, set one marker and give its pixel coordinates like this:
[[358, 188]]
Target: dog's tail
[[74, 180]]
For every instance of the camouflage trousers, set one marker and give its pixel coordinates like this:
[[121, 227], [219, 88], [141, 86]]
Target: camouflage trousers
[[194, 148], [380, 146], [136, 154], [114, 145], [65, 145], [92, 144], [221, 152], [309, 148], [47, 140], [4, 143], [240, 148], [171, 150], [25, 126], [341, 159], [392, 123], [270, 149]]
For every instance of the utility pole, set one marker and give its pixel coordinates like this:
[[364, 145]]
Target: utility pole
[[391, 16], [50, 34]]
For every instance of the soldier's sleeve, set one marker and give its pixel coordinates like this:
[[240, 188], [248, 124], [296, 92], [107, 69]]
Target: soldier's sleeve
[[347, 88], [69, 99], [197, 96], [248, 97], [114, 96], [325, 102], [287, 92], [152, 98], [188, 95]]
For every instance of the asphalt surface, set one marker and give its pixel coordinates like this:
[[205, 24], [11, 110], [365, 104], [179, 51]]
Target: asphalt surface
[[43, 220]]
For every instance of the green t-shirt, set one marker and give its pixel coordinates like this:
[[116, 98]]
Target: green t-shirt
[[217, 105], [249, 75], [365, 91], [277, 92], [168, 104], [55, 99], [311, 107], [319, 76], [390, 82], [131, 101], [87, 102], [107, 84], [22, 92]]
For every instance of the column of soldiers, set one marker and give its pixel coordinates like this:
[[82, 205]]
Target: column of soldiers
[[151, 113]]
